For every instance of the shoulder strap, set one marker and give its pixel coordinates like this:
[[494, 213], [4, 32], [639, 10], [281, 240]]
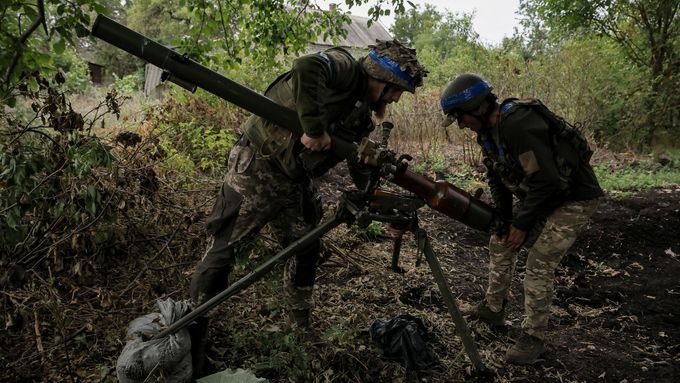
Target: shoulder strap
[[330, 65], [281, 77], [511, 105]]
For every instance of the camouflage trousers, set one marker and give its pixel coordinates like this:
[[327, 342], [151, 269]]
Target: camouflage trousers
[[554, 238], [266, 196]]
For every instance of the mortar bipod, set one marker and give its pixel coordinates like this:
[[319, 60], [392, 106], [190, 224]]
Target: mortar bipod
[[462, 328], [401, 212]]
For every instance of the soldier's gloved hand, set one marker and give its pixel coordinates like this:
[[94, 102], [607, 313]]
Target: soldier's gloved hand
[[316, 144], [515, 238]]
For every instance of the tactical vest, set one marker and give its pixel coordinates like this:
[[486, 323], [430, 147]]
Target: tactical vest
[[570, 147], [496, 159]]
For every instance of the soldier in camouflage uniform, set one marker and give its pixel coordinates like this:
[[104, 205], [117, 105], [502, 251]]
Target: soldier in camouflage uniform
[[269, 179], [536, 156]]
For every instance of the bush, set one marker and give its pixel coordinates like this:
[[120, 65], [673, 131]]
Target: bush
[[53, 199], [196, 131], [77, 74], [129, 84]]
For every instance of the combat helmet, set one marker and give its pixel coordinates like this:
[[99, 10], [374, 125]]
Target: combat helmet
[[395, 63], [465, 93]]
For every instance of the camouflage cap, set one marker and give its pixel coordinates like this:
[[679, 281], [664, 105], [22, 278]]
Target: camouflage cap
[[395, 63]]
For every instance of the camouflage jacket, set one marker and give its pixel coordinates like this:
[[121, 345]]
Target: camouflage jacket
[[522, 157], [327, 91]]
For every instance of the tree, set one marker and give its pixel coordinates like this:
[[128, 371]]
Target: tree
[[414, 22], [648, 31], [21, 53], [428, 28]]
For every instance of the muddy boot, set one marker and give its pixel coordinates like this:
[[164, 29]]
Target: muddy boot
[[299, 318], [483, 313], [198, 331], [526, 350]]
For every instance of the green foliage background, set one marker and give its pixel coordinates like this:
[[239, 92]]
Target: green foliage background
[[585, 75]]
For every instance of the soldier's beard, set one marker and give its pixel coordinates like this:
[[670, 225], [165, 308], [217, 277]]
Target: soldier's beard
[[379, 108]]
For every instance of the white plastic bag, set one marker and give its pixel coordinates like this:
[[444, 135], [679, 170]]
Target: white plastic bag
[[169, 357], [232, 376]]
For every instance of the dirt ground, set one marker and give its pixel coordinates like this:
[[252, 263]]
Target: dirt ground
[[616, 316]]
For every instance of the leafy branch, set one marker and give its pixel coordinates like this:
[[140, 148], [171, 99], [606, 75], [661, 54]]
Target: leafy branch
[[21, 40]]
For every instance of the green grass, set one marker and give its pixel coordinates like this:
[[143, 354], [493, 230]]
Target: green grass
[[635, 177], [464, 178]]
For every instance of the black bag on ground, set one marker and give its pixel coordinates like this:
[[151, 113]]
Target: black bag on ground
[[404, 339]]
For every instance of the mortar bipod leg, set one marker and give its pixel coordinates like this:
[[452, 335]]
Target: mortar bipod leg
[[461, 326], [252, 277]]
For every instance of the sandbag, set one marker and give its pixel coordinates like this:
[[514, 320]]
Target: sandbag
[[404, 339], [168, 357]]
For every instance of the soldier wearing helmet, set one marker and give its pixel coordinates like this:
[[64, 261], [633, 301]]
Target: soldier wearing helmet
[[270, 168], [533, 155]]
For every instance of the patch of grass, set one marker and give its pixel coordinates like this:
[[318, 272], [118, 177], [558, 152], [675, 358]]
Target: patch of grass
[[270, 352], [434, 162], [637, 176], [341, 334], [619, 195], [373, 230], [369, 233], [439, 163], [465, 178]]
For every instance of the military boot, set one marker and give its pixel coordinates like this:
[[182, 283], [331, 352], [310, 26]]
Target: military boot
[[526, 350], [485, 314], [299, 318]]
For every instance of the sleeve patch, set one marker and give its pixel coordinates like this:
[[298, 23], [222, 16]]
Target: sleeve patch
[[529, 162]]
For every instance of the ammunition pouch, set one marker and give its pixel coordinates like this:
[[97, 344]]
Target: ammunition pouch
[[571, 150], [510, 173], [575, 140], [269, 140]]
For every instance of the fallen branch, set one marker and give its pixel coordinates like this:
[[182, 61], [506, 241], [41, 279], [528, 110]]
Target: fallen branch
[[38, 336], [343, 254]]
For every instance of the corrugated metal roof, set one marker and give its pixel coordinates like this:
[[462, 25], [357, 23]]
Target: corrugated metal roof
[[358, 34]]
